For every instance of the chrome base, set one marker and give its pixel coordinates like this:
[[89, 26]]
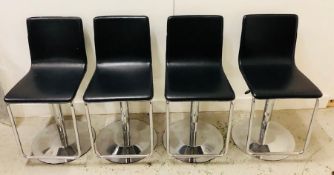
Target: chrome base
[[48, 143], [277, 139], [208, 140], [110, 141]]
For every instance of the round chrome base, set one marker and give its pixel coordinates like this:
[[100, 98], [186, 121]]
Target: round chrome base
[[277, 139], [208, 140], [110, 141], [48, 143]]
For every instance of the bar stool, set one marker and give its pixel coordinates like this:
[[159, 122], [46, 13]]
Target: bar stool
[[267, 63], [123, 73], [194, 73], [58, 64]]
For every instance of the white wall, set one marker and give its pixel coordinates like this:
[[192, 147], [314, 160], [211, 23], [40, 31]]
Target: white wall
[[314, 54]]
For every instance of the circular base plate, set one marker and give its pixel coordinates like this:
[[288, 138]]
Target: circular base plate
[[47, 142], [208, 140], [110, 141], [278, 138]]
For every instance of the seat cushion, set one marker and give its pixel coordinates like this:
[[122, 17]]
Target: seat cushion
[[47, 84], [270, 82], [200, 83], [131, 81]]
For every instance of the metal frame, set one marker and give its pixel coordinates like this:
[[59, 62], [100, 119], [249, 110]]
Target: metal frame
[[264, 128], [61, 129], [125, 121], [193, 126]]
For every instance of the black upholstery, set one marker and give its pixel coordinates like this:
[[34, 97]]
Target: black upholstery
[[194, 60], [266, 58], [123, 54], [58, 61]]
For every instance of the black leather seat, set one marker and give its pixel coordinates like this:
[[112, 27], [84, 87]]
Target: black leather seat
[[266, 58], [194, 69], [58, 61], [124, 66]]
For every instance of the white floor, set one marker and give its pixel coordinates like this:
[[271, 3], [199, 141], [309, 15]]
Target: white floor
[[319, 158]]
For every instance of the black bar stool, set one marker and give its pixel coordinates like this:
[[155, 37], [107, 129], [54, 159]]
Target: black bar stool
[[58, 64], [194, 73], [267, 63], [123, 73]]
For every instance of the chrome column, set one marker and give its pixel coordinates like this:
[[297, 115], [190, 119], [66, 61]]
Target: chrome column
[[58, 116], [193, 123], [268, 109], [125, 123]]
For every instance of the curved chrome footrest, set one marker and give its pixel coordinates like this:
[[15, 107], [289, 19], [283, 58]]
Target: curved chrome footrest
[[48, 143], [110, 141], [209, 140], [278, 139]]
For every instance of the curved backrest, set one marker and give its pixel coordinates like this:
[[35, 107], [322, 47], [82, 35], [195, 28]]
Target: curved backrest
[[268, 39], [194, 39], [122, 39], [56, 40]]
